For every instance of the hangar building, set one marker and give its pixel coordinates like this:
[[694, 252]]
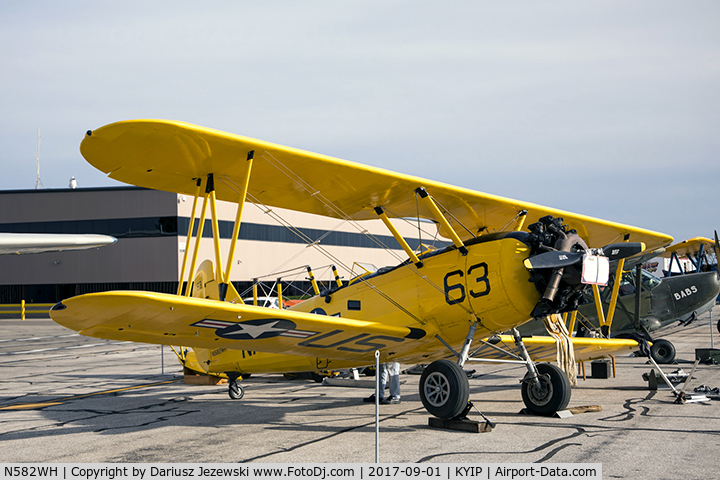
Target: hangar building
[[151, 227]]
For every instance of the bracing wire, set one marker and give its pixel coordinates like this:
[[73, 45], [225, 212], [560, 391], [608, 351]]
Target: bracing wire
[[448, 212], [341, 214], [329, 255]]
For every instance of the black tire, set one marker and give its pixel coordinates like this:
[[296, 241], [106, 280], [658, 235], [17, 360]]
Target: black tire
[[370, 371], [718, 326], [662, 351], [235, 390], [554, 394], [444, 389]]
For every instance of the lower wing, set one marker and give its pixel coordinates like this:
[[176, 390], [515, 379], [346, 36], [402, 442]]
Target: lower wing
[[197, 322], [543, 348]]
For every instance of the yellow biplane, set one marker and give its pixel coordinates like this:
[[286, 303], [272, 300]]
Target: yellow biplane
[[221, 362], [493, 277], [697, 250]]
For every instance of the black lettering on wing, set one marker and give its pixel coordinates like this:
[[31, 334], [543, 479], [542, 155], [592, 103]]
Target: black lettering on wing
[[372, 346]]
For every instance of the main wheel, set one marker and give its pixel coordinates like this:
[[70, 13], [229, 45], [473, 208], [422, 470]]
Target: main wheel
[[718, 326], [552, 395], [444, 389], [662, 351], [235, 390]]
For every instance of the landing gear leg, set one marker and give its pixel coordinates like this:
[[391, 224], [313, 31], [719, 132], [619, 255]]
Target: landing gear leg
[[444, 385], [545, 388], [465, 352]]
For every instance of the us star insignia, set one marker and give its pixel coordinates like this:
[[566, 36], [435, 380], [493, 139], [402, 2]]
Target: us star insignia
[[254, 329]]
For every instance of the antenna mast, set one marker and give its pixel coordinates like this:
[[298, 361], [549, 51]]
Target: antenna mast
[[38, 183]]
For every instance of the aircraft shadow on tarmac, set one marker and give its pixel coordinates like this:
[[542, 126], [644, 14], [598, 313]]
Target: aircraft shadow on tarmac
[[128, 411]]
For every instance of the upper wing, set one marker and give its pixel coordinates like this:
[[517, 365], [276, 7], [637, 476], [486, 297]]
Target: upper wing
[[172, 156], [19, 243], [689, 246], [197, 322]]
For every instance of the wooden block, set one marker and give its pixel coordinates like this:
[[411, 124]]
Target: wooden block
[[351, 382], [348, 382], [193, 378], [465, 425], [585, 409]]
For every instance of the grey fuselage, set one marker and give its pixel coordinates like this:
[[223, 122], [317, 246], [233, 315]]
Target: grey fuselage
[[662, 303]]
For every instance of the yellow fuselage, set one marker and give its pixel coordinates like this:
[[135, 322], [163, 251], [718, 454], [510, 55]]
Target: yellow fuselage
[[442, 298]]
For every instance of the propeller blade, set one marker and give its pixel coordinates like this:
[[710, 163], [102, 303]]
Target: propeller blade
[[716, 247], [616, 251], [557, 259]]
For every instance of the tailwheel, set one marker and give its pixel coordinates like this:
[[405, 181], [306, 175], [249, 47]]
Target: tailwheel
[[551, 394], [235, 390], [444, 389]]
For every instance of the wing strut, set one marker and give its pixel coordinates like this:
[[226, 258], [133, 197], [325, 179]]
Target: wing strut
[[520, 220], [236, 229], [430, 203], [598, 305], [605, 328], [198, 237], [188, 239], [215, 232], [698, 257], [674, 258], [414, 258], [571, 325]]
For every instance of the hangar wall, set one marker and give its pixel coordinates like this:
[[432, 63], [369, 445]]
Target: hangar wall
[[151, 228]]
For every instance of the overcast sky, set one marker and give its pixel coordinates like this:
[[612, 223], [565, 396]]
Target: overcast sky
[[609, 109]]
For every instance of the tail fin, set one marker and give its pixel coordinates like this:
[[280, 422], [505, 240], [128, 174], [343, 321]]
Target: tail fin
[[206, 286], [232, 295]]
